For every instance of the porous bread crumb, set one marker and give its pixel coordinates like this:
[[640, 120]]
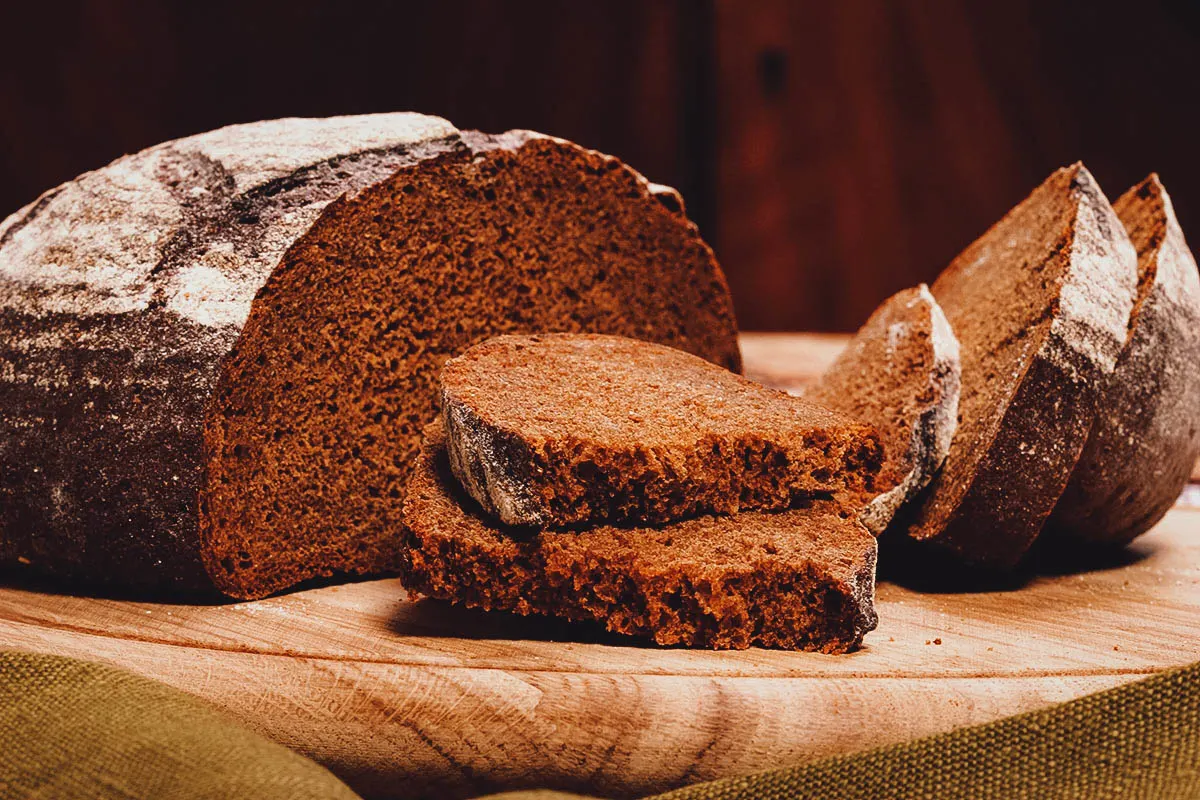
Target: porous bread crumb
[[576, 429], [801, 579]]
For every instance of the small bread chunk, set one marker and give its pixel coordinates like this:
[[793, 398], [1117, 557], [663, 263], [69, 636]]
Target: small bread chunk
[[802, 579], [901, 374], [1040, 305], [1147, 435], [573, 429]]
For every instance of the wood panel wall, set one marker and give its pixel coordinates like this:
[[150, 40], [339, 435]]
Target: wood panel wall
[[862, 144], [831, 152]]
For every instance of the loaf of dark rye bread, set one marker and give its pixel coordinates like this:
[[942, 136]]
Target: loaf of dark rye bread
[[901, 374], [1040, 305], [801, 579], [217, 355], [1146, 437], [562, 430]]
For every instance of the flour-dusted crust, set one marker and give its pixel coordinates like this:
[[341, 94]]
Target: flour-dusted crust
[[1040, 305], [153, 330], [1146, 436], [578, 429], [120, 294], [900, 373], [802, 579]]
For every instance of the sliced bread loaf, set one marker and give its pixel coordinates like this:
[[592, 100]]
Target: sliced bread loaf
[[573, 429], [1147, 433], [217, 355], [901, 374], [800, 579], [1040, 305]]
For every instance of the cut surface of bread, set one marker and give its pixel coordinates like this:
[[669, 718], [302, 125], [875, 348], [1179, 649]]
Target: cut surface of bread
[[800, 579], [225, 347], [901, 374], [1040, 305], [1146, 437], [573, 429]]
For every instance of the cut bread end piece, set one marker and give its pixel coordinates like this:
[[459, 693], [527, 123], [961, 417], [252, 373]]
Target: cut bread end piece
[[558, 430], [1040, 305], [1146, 437], [901, 374], [801, 579]]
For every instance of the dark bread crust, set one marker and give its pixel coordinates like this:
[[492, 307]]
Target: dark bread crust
[[124, 346], [555, 430], [901, 373], [120, 294], [800, 579], [1040, 305], [1146, 436]]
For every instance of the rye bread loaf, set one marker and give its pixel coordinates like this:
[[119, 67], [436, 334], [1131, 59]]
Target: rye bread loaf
[[1040, 305], [562, 430], [901, 374], [1146, 437], [217, 355], [801, 579]]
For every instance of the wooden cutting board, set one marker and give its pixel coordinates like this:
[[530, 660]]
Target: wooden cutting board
[[408, 699]]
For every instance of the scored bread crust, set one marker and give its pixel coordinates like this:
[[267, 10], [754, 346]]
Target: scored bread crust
[[121, 292], [1041, 306], [901, 373], [801, 579], [138, 304], [1146, 436], [574, 429]]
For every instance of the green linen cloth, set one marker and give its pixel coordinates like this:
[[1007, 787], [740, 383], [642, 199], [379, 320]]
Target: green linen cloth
[[75, 729]]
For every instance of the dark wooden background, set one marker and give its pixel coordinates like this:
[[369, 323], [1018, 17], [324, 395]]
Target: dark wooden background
[[832, 152]]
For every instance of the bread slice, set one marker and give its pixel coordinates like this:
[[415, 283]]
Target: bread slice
[[1040, 305], [574, 429], [1147, 433], [801, 579], [221, 351], [901, 374]]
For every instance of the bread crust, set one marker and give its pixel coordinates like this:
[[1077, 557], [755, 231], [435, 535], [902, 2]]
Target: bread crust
[[121, 292], [1021, 434], [1146, 437], [902, 374]]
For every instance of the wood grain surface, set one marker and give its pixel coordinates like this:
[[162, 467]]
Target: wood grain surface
[[406, 699]]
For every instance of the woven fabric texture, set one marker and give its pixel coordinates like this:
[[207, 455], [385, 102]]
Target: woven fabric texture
[[1139, 740], [72, 729]]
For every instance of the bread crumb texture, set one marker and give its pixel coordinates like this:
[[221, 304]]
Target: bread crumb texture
[[1040, 305], [577, 429], [799, 579]]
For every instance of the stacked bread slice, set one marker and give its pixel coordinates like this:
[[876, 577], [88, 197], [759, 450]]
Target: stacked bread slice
[[597, 477]]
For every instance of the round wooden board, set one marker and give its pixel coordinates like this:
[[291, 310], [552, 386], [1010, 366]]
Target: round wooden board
[[407, 699]]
